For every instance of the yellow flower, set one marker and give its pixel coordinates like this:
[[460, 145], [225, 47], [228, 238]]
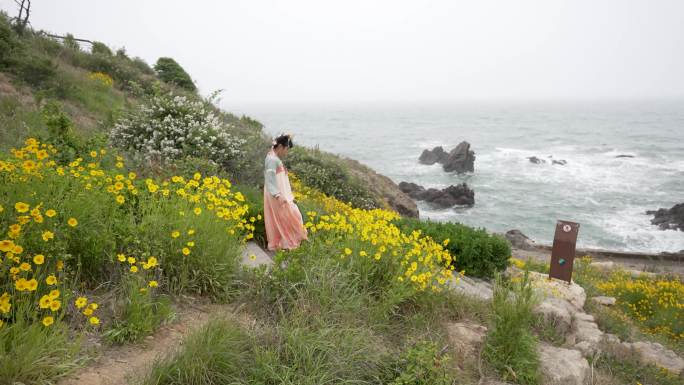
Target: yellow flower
[[47, 321], [54, 294], [153, 284], [131, 260], [88, 312], [17, 249], [93, 154], [94, 321], [81, 302], [191, 232], [175, 234], [39, 259], [186, 251], [93, 306], [121, 258], [51, 280], [44, 302], [197, 211], [47, 235], [20, 284], [51, 213], [72, 222], [131, 175], [134, 269], [21, 207], [120, 199], [32, 284], [347, 251], [55, 305], [6, 245], [152, 262], [25, 266]]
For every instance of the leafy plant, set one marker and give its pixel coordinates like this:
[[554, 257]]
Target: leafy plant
[[171, 72], [475, 251]]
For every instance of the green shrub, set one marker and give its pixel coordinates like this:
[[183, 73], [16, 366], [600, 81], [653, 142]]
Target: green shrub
[[35, 70], [321, 171], [510, 347], [142, 66], [100, 49], [475, 251], [71, 43], [171, 72], [8, 42]]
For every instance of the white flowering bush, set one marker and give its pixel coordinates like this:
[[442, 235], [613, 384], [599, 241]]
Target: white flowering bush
[[169, 127]]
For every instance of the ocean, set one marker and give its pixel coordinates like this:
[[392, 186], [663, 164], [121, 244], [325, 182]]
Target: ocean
[[608, 195]]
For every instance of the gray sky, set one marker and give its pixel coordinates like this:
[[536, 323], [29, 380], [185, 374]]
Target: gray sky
[[322, 51]]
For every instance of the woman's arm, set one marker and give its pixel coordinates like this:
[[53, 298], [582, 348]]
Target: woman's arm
[[270, 175]]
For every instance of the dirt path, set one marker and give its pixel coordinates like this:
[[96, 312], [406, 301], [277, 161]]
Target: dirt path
[[117, 365]]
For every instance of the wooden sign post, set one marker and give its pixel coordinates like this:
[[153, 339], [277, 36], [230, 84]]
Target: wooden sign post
[[563, 252]]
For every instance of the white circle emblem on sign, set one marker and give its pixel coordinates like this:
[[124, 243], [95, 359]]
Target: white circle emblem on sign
[[567, 228]]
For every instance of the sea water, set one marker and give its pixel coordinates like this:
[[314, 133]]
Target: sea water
[[608, 195]]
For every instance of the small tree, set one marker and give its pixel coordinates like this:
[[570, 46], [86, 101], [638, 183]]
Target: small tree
[[101, 49], [170, 71]]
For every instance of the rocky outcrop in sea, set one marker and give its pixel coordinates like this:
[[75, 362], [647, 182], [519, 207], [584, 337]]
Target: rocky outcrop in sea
[[460, 160], [669, 219], [458, 195]]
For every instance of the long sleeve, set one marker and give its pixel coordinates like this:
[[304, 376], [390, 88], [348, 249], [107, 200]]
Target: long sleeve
[[270, 176]]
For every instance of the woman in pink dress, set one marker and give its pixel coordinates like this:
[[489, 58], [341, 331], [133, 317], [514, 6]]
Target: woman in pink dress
[[284, 226]]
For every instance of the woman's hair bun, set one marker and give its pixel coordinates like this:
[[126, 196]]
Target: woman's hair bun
[[284, 140]]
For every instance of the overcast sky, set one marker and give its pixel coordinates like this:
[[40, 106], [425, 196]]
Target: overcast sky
[[295, 51]]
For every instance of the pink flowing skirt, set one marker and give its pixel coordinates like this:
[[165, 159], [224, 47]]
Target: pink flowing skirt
[[284, 225]]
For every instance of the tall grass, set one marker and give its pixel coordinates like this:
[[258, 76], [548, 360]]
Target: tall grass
[[32, 354], [510, 346]]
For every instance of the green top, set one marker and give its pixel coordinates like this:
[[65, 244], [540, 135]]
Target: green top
[[271, 164]]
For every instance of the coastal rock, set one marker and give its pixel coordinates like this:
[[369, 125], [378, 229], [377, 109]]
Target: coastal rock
[[535, 160], [472, 287], [656, 354], [561, 162], [466, 337], [436, 155], [461, 159], [451, 196], [669, 219], [413, 190], [384, 188], [557, 312], [604, 266], [605, 301], [561, 366], [586, 336], [549, 288], [519, 240], [624, 156]]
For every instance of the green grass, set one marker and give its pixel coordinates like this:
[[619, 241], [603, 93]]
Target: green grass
[[34, 354], [140, 312], [626, 370], [510, 346]]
